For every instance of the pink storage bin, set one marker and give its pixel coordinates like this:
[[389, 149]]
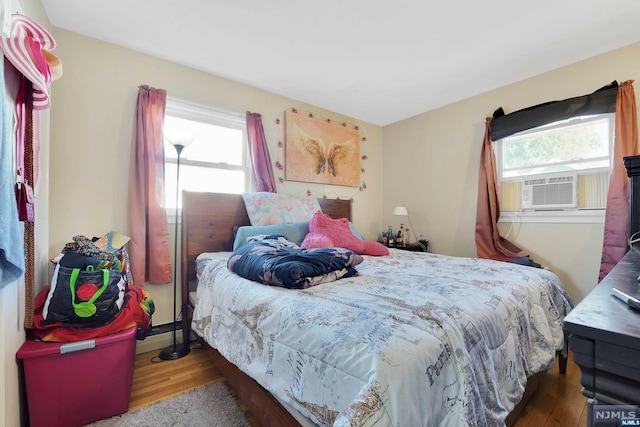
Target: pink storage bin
[[71, 384]]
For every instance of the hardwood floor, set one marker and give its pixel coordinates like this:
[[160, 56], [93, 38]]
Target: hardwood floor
[[557, 402], [155, 379]]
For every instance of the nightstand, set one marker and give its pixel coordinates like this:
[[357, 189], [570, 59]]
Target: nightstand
[[414, 247]]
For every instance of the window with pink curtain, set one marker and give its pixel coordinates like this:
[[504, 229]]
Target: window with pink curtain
[[611, 98]]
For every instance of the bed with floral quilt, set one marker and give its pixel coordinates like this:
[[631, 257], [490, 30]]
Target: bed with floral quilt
[[409, 339]]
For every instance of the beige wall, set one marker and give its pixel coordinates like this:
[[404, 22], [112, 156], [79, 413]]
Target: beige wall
[[438, 153], [12, 333], [91, 127]]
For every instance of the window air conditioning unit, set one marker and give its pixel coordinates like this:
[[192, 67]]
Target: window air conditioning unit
[[550, 192]]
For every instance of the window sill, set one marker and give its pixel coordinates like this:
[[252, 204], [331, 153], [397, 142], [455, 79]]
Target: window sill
[[585, 216]]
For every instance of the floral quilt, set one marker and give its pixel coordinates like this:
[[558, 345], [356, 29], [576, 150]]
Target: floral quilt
[[415, 339]]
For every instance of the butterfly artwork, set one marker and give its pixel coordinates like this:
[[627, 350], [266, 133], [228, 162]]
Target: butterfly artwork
[[321, 152]]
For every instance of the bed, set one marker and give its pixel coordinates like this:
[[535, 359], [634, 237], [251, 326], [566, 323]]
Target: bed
[[415, 338]]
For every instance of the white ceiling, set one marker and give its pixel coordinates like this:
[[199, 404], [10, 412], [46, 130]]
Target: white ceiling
[[375, 60]]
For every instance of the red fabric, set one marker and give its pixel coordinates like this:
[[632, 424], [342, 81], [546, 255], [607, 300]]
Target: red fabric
[[326, 232], [489, 243], [616, 222], [131, 315], [149, 251]]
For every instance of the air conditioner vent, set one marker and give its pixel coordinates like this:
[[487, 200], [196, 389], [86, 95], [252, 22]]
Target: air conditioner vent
[[550, 192]]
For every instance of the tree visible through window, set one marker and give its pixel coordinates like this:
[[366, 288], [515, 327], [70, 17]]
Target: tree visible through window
[[573, 145]]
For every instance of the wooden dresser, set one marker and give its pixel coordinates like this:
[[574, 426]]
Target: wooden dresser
[[604, 333]]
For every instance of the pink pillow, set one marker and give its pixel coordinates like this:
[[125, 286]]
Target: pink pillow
[[326, 232]]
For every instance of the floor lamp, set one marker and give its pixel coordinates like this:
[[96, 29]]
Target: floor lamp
[[175, 350]]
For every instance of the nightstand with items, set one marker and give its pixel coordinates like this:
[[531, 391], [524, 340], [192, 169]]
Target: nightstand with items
[[402, 240], [421, 246]]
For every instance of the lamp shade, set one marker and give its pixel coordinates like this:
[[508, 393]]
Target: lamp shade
[[176, 136], [400, 210]]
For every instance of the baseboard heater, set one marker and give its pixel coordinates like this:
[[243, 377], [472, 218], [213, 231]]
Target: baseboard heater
[[167, 327]]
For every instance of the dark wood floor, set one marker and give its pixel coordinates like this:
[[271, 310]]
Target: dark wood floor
[[558, 401]]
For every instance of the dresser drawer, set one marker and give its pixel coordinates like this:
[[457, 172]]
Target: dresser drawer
[[618, 360], [583, 351]]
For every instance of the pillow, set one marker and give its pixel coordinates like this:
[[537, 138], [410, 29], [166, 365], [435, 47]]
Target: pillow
[[271, 208], [275, 241], [355, 231], [293, 232], [326, 232]]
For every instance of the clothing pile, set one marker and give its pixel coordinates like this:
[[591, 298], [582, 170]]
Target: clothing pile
[[91, 293]]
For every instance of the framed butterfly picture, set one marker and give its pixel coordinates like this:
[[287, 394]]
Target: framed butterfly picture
[[320, 151]]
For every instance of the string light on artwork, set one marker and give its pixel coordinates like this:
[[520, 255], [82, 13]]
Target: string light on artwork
[[363, 170], [310, 191]]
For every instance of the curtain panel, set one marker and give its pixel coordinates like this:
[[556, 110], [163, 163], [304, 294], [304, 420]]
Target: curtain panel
[[489, 243], [617, 217], [259, 152], [149, 245]]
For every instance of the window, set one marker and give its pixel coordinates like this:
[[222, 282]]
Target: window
[[215, 161], [578, 144], [577, 150]]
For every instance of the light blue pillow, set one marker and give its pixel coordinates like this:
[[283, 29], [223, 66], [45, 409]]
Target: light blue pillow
[[355, 231], [295, 232]]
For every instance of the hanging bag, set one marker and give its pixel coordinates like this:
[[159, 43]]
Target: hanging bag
[[24, 198], [25, 155], [86, 298]]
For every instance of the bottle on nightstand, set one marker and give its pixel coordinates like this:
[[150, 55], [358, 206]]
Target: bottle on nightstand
[[401, 236]]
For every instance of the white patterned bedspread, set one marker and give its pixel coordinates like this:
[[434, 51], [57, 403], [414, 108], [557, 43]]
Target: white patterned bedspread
[[415, 339]]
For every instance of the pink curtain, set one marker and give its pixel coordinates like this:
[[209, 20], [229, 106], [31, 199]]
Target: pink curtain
[[489, 243], [259, 152], [616, 223], [149, 246]]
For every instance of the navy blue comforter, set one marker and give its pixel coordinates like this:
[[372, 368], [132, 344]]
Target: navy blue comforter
[[278, 262]]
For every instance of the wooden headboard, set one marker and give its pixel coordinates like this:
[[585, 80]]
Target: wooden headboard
[[207, 226]]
